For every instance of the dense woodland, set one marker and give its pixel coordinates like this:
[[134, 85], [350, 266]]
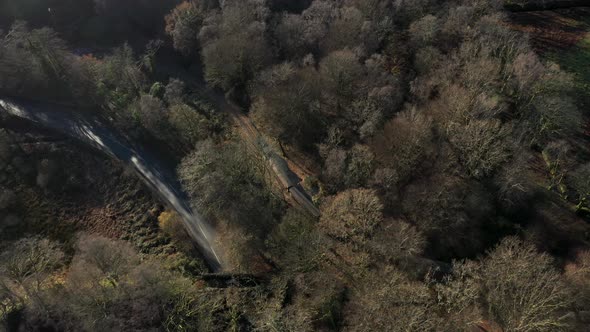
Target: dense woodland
[[447, 157]]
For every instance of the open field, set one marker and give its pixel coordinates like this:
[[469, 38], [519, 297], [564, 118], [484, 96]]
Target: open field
[[554, 29], [562, 36]]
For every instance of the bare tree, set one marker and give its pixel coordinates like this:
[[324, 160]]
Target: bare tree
[[424, 31], [580, 180], [290, 33], [24, 267], [286, 104], [516, 181], [351, 169], [404, 305], [482, 145], [108, 288], [33, 60], [411, 10], [514, 287], [119, 81], [528, 73], [577, 273], [175, 91], [449, 211], [191, 126], [317, 19], [397, 241], [152, 114], [352, 213], [98, 253], [427, 59], [351, 29], [296, 241], [183, 25], [556, 117], [342, 76], [404, 143], [234, 43], [522, 289]]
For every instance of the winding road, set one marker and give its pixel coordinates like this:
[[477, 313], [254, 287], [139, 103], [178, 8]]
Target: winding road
[[90, 129]]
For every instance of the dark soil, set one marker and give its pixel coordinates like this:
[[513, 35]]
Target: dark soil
[[555, 29]]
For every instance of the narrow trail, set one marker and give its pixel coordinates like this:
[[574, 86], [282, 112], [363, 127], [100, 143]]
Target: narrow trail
[[89, 129]]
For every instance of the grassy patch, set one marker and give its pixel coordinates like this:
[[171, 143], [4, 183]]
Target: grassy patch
[[577, 61]]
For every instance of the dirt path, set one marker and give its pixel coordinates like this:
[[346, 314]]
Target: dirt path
[[287, 173]]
